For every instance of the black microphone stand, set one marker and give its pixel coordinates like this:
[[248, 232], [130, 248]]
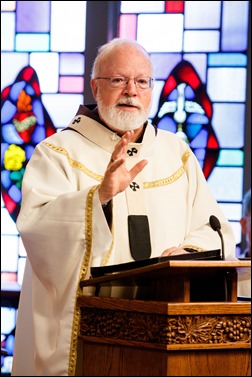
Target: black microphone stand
[[216, 226]]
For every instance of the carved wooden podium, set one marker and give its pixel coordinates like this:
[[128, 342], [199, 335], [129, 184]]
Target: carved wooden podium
[[184, 320]]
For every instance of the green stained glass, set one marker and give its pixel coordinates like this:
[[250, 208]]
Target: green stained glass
[[231, 158]]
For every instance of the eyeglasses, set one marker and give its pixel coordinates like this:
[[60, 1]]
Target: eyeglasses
[[122, 82]]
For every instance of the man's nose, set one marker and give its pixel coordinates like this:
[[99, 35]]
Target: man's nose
[[130, 87]]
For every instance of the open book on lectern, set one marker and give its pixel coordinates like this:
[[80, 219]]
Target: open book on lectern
[[114, 268]]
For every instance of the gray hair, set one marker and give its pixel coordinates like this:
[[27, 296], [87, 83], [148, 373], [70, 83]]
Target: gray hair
[[107, 48]]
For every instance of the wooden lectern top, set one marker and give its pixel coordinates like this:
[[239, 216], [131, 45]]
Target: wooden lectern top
[[163, 269], [179, 280]]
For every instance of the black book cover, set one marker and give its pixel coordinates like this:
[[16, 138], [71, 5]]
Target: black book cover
[[202, 255]]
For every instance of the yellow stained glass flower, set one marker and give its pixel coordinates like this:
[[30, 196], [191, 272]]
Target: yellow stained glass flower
[[14, 157]]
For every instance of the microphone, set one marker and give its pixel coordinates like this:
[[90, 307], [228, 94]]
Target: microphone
[[216, 226]]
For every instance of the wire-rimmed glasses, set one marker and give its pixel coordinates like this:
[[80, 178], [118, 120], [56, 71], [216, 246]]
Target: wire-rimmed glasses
[[121, 82]]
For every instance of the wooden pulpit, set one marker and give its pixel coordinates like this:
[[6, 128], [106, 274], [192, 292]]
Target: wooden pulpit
[[181, 318]]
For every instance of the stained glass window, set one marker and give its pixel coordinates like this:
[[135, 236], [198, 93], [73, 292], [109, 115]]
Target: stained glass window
[[200, 55], [42, 85]]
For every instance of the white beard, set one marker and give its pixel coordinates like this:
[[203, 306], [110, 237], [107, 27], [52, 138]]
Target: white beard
[[121, 119]]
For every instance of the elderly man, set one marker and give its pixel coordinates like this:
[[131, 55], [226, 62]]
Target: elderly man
[[110, 188]]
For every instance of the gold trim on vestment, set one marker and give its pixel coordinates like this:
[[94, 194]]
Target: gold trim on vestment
[[82, 275], [97, 177], [108, 254], [83, 272], [73, 163]]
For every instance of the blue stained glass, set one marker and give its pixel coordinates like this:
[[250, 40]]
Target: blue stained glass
[[225, 59], [5, 179], [202, 14], [10, 134], [25, 123], [168, 124], [29, 149], [38, 110], [197, 118], [38, 134], [226, 183], [29, 90], [200, 154], [189, 93], [231, 157], [15, 192], [235, 26], [32, 42], [200, 140], [7, 112], [7, 319], [33, 16], [228, 123], [227, 84], [173, 95], [16, 89], [4, 147], [9, 344], [193, 129], [164, 63]]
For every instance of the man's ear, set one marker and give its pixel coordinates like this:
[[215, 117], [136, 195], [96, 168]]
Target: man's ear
[[93, 87], [243, 222]]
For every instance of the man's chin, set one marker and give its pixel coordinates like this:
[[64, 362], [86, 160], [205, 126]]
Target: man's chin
[[123, 128], [122, 121]]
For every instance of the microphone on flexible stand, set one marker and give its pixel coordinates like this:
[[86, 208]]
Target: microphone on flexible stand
[[216, 226]]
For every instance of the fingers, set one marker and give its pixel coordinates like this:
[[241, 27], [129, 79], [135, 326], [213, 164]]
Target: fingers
[[120, 148], [174, 251], [114, 165], [112, 160], [119, 155], [169, 251], [127, 136], [138, 168]]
